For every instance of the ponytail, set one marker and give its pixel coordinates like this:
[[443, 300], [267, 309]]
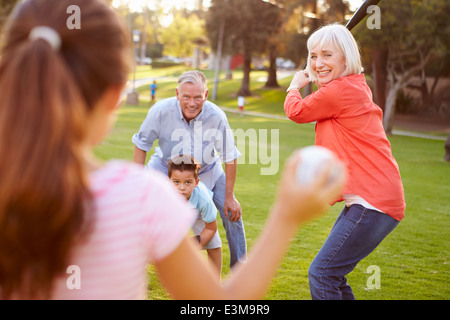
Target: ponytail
[[46, 95], [43, 186]]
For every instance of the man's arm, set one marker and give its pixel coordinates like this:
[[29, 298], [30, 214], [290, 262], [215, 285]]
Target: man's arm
[[148, 133], [139, 156], [231, 204]]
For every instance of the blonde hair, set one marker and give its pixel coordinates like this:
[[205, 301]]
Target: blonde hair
[[341, 37]]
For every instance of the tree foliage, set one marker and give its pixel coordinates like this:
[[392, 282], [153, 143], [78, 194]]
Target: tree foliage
[[180, 35], [415, 36], [276, 28], [247, 27], [5, 8]]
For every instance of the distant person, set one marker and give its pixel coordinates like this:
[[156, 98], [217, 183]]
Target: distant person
[[190, 124], [241, 104], [73, 227], [153, 88], [183, 172], [349, 124]]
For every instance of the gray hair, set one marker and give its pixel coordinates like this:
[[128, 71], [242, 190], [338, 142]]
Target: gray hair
[[342, 39], [193, 76]]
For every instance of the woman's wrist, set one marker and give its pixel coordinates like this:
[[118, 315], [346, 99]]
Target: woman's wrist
[[292, 87]]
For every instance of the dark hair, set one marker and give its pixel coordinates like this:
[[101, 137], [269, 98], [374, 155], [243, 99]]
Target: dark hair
[[184, 162], [46, 95]]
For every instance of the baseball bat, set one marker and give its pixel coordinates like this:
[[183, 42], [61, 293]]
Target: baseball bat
[[360, 13]]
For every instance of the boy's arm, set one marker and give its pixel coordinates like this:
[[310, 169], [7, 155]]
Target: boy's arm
[[208, 212], [208, 232]]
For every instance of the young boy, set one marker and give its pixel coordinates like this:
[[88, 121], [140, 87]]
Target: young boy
[[183, 172]]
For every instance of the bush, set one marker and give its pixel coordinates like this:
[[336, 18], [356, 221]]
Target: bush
[[164, 64]]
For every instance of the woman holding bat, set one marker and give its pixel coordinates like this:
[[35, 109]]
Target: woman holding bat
[[349, 124]]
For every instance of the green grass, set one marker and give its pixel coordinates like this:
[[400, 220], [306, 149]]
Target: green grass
[[143, 72], [413, 259]]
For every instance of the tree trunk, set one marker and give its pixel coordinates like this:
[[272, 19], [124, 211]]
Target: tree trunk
[[427, 99], [447, 149], [380, 59], [229, 74], [389, 111], [272, 72], [245, 85], [398, 82]]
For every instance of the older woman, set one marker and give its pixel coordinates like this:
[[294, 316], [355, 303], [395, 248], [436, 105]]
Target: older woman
[[349, 124]]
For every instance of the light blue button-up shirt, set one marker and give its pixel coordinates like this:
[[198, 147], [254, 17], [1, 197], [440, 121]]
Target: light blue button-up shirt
[[208, 137]]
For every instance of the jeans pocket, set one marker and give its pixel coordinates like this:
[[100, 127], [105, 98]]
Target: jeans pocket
[[355, 213]]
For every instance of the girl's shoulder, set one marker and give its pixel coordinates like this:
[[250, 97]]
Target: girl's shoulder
[[126, 176]]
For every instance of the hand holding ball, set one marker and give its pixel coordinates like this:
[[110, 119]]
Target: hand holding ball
[[313, 178], [314, 159]]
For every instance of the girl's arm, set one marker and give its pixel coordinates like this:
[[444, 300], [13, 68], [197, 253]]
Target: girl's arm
[[187, 276]]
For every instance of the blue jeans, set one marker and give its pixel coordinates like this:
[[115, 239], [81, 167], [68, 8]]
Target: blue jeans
[[215, 180], [355, 234], [234, 230]]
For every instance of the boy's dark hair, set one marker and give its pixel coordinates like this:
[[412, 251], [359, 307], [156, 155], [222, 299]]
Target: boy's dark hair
[[184, 162]]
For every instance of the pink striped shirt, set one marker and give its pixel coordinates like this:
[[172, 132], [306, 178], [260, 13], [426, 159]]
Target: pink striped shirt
[[139, 218]]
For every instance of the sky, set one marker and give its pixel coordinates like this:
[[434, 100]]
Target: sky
[[136, 5]]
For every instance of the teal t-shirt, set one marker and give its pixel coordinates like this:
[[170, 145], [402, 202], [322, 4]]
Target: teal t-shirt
[[201, 199]]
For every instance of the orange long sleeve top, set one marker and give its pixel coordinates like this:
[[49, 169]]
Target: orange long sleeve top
[[349, 123]]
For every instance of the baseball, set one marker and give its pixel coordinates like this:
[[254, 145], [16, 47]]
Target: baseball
[[313, 161]]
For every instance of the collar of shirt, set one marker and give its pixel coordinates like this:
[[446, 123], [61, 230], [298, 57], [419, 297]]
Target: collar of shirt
[[197, 118]]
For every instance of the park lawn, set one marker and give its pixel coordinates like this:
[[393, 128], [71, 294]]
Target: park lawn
[[413, 259]]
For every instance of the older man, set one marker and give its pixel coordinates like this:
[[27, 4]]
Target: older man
[[189, 124]]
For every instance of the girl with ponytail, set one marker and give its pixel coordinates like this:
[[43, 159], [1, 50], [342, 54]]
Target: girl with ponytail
[[49, 85], [61, 208]]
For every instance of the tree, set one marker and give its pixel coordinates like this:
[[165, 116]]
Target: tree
[[248, 26], [5, 8], [299, 19], [179, 37], [415, 35], [286, 10]]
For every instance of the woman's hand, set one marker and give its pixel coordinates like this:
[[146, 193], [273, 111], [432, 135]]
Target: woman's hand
[[300, 80]]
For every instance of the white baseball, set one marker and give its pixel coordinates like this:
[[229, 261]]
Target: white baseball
[[312, 163]]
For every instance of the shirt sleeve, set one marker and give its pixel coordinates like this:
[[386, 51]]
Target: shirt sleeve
[[167, 219], [319, 105], [225, 143], [149, 130], [205, 205], [229, 151]]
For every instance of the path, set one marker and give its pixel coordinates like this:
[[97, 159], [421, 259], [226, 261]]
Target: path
[[146, 81], [395, 132], [140, 83]]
